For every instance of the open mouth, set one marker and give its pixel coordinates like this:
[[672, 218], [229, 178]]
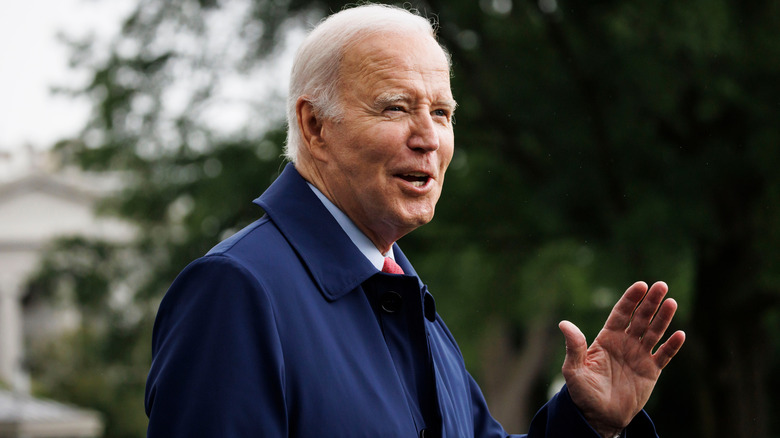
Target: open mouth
[[418, 179]]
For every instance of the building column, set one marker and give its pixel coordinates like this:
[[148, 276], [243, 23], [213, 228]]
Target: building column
[[11, 372]]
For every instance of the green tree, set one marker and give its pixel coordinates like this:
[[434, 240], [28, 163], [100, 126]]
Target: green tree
[[644, 133], [596, 144]]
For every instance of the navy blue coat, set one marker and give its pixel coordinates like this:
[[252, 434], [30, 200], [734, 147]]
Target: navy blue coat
[[286, 329]]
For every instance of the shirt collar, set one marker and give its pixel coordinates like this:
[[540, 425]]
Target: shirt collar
[[363, 243], [334, 262]]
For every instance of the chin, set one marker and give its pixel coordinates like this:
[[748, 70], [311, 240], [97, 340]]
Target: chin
[[419, 218]]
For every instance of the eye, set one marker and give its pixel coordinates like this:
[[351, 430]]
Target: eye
[[395, 108], [442, 113]]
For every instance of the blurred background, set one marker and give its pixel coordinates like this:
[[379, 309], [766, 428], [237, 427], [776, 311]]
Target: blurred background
[[597, 144]]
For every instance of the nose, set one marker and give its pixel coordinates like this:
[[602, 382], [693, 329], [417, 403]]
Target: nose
[[424, 136]]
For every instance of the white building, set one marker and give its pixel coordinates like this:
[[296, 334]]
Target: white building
[[22, 416], [38, 202]]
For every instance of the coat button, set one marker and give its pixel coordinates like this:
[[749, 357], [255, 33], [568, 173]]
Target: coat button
[[425, 433], [390, 302]]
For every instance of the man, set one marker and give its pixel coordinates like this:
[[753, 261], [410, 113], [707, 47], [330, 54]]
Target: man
[[304, 325]]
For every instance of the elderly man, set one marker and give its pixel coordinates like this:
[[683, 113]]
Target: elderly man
[[311, 322]]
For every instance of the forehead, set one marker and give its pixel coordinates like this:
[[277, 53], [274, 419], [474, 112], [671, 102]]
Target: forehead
[[389, 60]]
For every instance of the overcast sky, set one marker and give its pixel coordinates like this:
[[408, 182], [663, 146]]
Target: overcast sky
[[32, 60]]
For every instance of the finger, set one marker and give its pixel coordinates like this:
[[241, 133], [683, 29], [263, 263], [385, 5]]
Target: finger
[[668, 349], [620, 316], [647, 309], [660, 323], [576, 345]]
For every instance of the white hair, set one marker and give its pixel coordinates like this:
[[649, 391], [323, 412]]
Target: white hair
[[316, 67]]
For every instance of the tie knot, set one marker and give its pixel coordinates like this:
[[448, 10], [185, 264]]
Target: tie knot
[[391, 267]]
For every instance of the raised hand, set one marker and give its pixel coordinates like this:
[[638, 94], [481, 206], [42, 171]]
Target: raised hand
[[611, 380]]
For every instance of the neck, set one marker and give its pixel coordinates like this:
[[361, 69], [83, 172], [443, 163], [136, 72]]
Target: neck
[[313, 176]]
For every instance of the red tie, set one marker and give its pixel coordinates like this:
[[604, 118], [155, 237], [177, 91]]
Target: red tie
[[391, 267]]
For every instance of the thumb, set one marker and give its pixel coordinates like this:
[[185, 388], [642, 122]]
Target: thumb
[[576, 345]]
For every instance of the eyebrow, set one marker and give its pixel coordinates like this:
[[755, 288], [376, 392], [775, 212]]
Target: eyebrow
[[385, 99]]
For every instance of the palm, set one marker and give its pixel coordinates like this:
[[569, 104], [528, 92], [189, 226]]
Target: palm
[[612, 379]]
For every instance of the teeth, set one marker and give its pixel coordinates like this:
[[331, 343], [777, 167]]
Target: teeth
[[417, 179]]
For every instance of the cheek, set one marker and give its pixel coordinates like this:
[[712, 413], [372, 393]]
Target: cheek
[[376, 146], [447, 150]]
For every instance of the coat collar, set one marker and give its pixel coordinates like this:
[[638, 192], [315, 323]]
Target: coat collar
[[335, 263]]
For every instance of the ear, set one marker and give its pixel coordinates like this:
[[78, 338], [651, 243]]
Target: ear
[[311, 129]]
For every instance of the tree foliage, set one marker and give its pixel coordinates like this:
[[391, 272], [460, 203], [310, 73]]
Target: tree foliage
[[596, 144]]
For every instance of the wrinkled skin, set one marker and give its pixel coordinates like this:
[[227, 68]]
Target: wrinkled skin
[[611, 380]]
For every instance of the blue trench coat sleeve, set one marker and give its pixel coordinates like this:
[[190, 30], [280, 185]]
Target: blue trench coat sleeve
[[210, 377], [279, 332]]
